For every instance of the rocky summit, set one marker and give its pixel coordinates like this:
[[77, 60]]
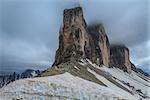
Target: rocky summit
[[99, 44], [120, 57], [79, 41], [73, 36], [86, 67]]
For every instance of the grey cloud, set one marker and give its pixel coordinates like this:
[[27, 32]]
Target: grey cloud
[[29, 29], [29, 33], [125, 22], [141, 55], [19, 54]]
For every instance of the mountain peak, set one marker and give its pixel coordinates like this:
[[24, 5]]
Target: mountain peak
[[101, 43], [77, 40], [120, 57], [75, 10], [73, 16], [72, 36]]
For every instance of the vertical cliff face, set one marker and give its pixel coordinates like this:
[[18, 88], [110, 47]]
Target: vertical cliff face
[[73, 36], [74, 40], [101, 43], [120, 57], [78, 41]]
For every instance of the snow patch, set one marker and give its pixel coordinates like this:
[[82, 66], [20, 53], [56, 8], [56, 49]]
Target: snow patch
[[132, 79], [76, 67], [82, 62], [112, 86]]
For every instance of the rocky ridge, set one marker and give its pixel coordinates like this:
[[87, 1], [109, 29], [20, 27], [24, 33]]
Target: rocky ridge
[[120, 57], [78, 40], [73, 36]]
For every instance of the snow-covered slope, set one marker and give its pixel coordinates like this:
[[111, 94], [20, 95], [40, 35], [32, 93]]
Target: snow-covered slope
[[133, 80], [69, 87], [60, 86]]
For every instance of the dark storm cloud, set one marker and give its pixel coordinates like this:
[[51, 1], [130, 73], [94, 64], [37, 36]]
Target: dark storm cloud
[[29, 28]]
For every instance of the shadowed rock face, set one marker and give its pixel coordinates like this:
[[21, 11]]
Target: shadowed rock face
[[101, 43], [120, 57], [74, 40]]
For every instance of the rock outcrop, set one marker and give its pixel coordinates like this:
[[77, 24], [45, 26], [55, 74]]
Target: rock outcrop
[[120, 57], [101, 44], [77, 40], [73, 36]]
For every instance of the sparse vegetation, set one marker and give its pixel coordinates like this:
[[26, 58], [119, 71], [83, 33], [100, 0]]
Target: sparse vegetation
[[69, 67]]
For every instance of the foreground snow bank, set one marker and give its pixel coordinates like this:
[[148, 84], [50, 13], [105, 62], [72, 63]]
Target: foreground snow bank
[[64, 86], [118, 86]]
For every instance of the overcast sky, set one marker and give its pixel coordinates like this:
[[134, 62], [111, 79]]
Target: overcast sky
[[29, 29]]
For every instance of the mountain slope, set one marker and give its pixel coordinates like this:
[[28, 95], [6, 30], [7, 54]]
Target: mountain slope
[[63, 86], [72, 86]]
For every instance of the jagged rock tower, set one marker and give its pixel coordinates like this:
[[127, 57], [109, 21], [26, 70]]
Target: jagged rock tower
[[100, 45], [77, 40], [120, 57], [73, 36]]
